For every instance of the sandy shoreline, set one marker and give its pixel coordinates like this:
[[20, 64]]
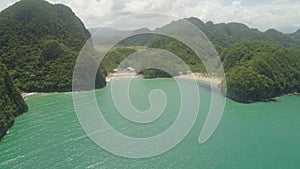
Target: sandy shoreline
[[201, 77], [26, 95], [196, 76], [120, 75]]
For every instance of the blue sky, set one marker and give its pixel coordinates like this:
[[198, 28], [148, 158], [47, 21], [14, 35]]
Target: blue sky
[[282, 15]]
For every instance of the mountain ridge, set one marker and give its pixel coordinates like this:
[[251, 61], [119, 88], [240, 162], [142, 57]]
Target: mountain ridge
[[232, 30]]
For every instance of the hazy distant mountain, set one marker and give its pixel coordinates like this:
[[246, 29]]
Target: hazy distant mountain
[[221, 35], [110, 32], [296, 35], [108, 36]]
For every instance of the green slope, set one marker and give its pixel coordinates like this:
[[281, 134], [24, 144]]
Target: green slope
[[39, 44], [11, 102], [258, 71]]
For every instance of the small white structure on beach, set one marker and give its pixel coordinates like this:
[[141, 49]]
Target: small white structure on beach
[[130, 69], [115, 70]]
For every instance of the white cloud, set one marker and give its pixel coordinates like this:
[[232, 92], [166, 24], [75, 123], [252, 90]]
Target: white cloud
[[236, 2], [280, 14]]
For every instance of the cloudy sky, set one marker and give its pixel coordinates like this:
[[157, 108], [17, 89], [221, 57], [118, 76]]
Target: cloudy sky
[[283, 15]]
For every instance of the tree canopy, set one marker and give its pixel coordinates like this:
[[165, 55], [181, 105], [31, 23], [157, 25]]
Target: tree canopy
[[11, 101], [259, 70], [39, 44], [258, 65]]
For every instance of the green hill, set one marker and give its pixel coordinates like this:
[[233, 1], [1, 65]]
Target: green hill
[[224, 35], [258, 71], [11, 101], [258, 65], [39, 44]]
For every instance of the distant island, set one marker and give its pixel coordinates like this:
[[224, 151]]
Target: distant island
[[40, 42]]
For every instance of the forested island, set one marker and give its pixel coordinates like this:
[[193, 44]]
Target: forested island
[[40, 42], [39, 45], [258, 65]]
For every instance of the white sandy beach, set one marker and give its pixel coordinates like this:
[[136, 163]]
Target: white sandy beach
[[201, 77], [196, 76], [26, 95]]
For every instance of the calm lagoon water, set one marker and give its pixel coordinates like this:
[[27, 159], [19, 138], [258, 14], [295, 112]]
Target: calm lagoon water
[[259, 135]]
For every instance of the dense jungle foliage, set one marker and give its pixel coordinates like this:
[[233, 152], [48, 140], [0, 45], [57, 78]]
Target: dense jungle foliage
[[39, 44]]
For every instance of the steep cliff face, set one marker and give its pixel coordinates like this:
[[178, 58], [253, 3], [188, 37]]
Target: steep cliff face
[[11, 101]]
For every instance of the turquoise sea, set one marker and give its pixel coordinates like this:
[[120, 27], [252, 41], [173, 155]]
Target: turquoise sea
[[262, 135]]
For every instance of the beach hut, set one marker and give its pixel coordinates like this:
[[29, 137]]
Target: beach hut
[[130, 69]]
